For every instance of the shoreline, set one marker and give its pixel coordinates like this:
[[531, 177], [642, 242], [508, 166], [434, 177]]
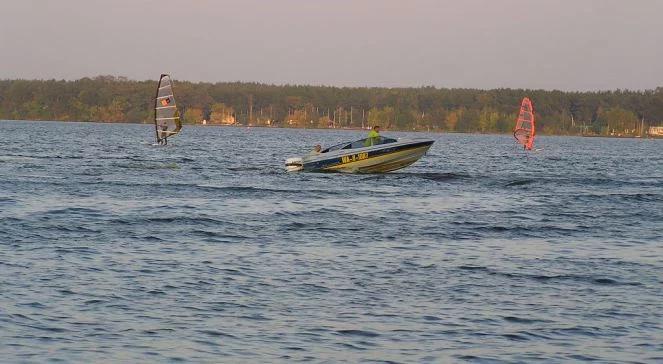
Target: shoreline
[[353, 128]]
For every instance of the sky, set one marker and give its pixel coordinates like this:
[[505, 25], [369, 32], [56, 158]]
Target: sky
[[571, 45]]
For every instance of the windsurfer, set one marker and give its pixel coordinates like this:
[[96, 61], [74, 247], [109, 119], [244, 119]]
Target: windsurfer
[[524, 130], [167, 122], [373, 136], [164, 135]]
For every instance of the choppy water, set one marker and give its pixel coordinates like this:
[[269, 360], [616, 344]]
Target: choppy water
[[112, 249]]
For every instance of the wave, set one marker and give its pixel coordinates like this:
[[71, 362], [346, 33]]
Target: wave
[[522, 320], [244, 169], [75, 211], [6, 201], [167, 220], [430, 176], [39, 176], [266, 190], [147, 166], [36, 157], [361, 333], [591, 279], [245, 189], [625, 196], [521, 182], [17, 158], [215, 333]]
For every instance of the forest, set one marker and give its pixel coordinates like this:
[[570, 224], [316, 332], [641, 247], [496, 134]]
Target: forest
[[118, 99]]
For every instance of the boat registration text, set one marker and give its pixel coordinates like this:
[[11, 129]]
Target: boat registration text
[[354, 157]]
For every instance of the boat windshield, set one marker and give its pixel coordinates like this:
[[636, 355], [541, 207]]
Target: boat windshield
[[361, 143]]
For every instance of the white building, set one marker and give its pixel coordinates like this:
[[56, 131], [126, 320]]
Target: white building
[[655, 130]]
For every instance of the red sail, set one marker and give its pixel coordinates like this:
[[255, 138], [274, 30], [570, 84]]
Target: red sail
[[524, 130]]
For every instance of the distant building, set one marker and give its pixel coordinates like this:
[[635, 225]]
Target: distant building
[[228, 120], [655, 131]]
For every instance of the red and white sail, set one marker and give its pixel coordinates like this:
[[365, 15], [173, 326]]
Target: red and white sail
[[524, 131]]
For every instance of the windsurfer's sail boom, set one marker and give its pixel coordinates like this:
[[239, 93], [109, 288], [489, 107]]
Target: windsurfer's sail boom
[[524, 131], [167, 120]]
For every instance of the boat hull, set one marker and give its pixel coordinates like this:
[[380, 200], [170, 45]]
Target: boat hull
[[376, 159], [382, 163]]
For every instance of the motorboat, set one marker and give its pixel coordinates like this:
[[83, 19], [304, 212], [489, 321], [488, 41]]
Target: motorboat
[[370, 155]]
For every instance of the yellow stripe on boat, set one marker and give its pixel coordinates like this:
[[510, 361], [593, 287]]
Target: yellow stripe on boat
[[382, 163]]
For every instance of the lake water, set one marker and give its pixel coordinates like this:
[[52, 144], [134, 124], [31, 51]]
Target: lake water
[[115, 250]]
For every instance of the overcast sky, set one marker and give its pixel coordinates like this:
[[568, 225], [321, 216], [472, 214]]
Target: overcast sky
[[549, 44]]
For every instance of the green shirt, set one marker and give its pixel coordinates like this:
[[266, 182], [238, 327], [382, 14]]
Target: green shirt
[[372, 139]]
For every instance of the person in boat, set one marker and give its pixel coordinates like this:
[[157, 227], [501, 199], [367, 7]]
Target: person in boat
[[526, 144], [316, 150], [373, 136], [163, 140]]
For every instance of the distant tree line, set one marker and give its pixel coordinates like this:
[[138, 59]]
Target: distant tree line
[[117, 99]]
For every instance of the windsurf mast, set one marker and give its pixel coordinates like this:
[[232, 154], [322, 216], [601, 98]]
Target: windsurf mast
[[167, 120], [524, 131]]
